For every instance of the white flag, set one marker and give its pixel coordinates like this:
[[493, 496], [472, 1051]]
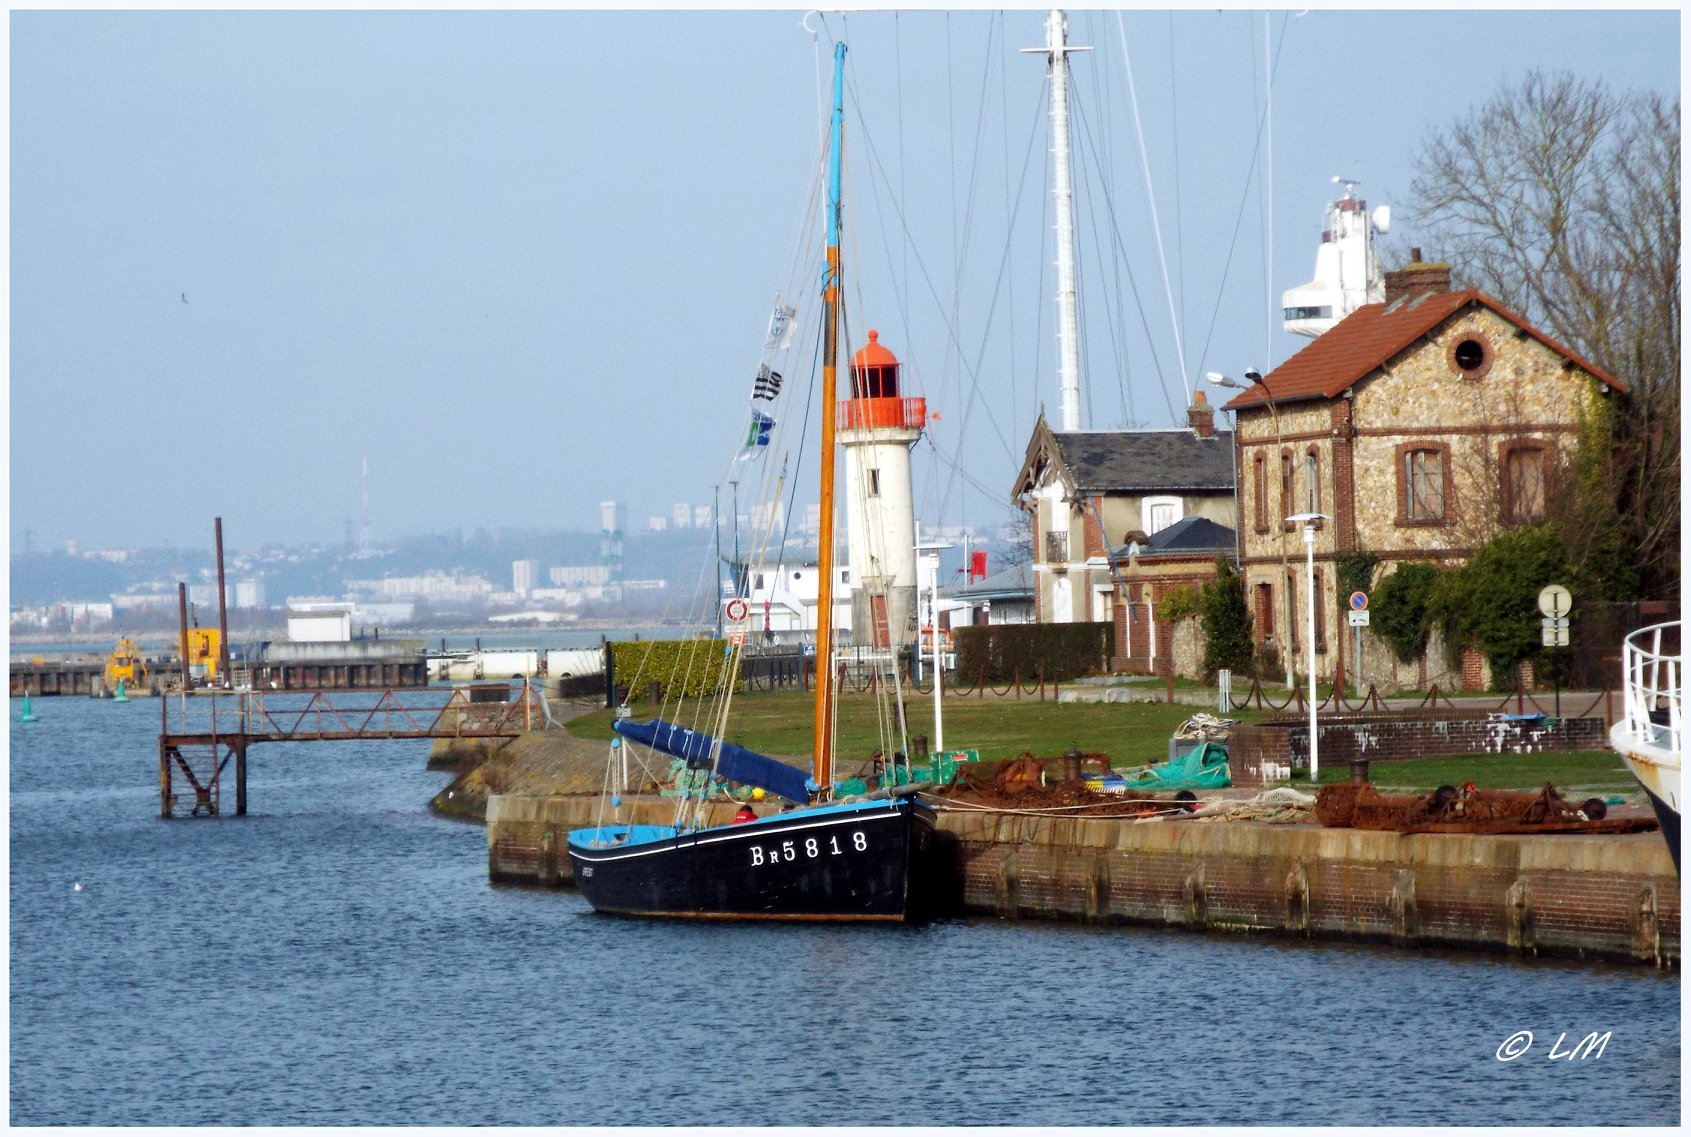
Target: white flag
[[781, 327]]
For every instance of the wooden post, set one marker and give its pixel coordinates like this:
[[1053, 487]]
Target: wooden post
[[164, 779], [240, 777]]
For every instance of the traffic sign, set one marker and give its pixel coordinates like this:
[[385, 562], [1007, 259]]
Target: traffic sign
[[1555, 601], [1555, 637], [1358, 619], [1359, 601], [1553, 622]]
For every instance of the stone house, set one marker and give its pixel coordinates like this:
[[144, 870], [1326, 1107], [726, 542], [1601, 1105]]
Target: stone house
[[1091, 494], [1421, 426]]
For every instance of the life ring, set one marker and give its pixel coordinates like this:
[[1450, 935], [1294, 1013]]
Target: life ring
[[738, 609]]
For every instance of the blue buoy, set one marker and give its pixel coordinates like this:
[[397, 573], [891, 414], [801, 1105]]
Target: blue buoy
[[27, 715]]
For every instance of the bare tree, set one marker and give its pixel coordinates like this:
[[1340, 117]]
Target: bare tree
[[1561, 199]]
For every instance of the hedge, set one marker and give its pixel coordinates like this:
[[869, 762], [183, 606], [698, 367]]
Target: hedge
[[686, 668], [1056, 651]]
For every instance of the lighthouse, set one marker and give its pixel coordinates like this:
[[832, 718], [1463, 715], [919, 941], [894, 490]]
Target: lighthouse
[[877, 427]]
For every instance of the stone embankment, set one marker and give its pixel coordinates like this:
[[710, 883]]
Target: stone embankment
[[1587, 896]]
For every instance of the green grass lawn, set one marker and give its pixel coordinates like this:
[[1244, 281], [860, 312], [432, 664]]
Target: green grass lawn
[[1132, 734], [779, 723], [1590, 771]]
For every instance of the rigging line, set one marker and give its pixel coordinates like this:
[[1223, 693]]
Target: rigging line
[[933, 291], [1156, 226], [1116, 328], [1174, 135], [1239, 217], [1009, 211], [1133, 282]]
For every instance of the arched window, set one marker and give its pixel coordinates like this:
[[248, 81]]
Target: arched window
[[1259, 478]]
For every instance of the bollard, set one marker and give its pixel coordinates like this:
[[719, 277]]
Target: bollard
[[654, 692], [1071, 766], [1359, 771]]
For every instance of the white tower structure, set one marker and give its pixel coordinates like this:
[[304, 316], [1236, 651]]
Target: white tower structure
[[877, 427], [1347, 269], [1056, 51]]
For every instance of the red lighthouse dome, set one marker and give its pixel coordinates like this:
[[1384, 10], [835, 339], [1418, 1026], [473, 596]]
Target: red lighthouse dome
[[874, 371]]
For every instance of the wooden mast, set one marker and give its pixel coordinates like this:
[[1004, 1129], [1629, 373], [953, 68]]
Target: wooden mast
[[822, 734]]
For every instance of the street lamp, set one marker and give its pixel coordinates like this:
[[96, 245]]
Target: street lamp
[[1253, 378], [1309, 521]]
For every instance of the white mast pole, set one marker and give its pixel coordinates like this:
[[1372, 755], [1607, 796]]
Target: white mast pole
[[1062, 192]]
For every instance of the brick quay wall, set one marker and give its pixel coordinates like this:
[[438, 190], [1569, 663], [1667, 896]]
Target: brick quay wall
[[1590, 896]]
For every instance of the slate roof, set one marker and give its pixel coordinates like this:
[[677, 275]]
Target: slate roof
[[1148, 461], [1370, 337], [1013, 583], [1190, 535]]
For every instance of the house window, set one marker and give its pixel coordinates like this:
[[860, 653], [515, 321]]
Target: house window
[[1285, 483], [1312, 482], [1320, 616], [1260, 484], [1422, 483], [1057, 548], [1160, 513], [1292, 609], [1523, 482], [1265, 610], [874, 483], [1471, 355]]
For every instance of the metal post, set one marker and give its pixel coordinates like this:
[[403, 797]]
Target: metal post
[[222, 615], [1309, 563], [241, 778]]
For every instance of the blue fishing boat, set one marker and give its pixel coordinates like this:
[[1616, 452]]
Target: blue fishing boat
[[824, 857]]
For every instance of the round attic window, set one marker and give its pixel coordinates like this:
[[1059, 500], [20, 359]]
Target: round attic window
[[1471, 355]]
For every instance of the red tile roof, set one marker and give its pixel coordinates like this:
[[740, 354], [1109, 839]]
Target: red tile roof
[[1369, 337]]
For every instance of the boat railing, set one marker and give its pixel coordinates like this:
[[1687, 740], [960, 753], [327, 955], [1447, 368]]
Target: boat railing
[[1652, 663]]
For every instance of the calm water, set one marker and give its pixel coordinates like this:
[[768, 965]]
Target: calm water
[[338, 957]]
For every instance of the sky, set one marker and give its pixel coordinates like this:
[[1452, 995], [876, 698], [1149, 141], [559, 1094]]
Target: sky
[[523, 262]]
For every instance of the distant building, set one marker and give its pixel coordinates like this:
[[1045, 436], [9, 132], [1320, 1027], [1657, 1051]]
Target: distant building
[[249, 593], [701, 516], [320, 626], [522, 577], [577, 576], [682, 515]]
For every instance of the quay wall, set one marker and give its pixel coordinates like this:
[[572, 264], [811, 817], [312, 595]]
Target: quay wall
[[1599, 896]]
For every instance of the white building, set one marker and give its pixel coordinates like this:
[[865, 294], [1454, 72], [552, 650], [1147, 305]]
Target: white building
[[578, 576], [522, 577], [249, 593], [320, 626]]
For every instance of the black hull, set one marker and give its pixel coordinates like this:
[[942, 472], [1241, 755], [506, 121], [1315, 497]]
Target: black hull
[[868, 862], [1669, 819]]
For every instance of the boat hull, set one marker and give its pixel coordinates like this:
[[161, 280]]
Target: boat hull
[[1659, 778], [861, 861]]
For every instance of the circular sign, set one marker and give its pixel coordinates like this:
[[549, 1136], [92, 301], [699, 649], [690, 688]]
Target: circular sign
[[738, 609], [1359, 601], [1555, 601]]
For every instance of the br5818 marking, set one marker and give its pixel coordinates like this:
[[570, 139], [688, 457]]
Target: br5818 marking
[[789, 851]]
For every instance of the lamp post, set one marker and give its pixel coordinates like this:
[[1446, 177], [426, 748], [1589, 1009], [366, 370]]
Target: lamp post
[[1253, 379], [931, 563], [1309, 521]]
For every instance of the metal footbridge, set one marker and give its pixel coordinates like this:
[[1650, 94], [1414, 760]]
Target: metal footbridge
[[201, 733]]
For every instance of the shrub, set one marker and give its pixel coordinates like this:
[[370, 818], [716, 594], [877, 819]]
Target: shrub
[[1227, 621], [686, 668], [1401, 612], [1492, 601]]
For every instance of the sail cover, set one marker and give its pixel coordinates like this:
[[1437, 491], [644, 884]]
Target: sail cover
[[733, 762]]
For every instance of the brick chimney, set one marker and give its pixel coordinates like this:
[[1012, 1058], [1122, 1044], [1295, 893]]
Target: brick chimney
[[1417, 278], [1200, 416]]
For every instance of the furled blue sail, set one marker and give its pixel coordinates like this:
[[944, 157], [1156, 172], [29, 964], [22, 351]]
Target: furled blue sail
[[734, 762]]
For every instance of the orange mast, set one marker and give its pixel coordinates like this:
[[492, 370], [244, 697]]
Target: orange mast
[[822, 733]]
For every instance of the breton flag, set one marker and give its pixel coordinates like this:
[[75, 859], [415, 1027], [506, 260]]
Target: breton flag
[[768, 383], [781, 327], [757, 436]]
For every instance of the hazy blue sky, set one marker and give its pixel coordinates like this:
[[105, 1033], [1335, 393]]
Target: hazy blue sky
[[524, 260]]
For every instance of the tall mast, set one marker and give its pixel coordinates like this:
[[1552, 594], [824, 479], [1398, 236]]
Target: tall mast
[[1056, 50], [822, 732]]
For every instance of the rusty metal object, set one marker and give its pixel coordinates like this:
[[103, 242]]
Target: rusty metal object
[[1037, 783], [1467, 810]]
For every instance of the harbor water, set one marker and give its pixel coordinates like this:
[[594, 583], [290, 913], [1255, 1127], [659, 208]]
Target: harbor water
[[339, 957]]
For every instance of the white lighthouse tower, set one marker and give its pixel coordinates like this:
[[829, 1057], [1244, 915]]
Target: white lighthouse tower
[[877, 427], [1347, 269]]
